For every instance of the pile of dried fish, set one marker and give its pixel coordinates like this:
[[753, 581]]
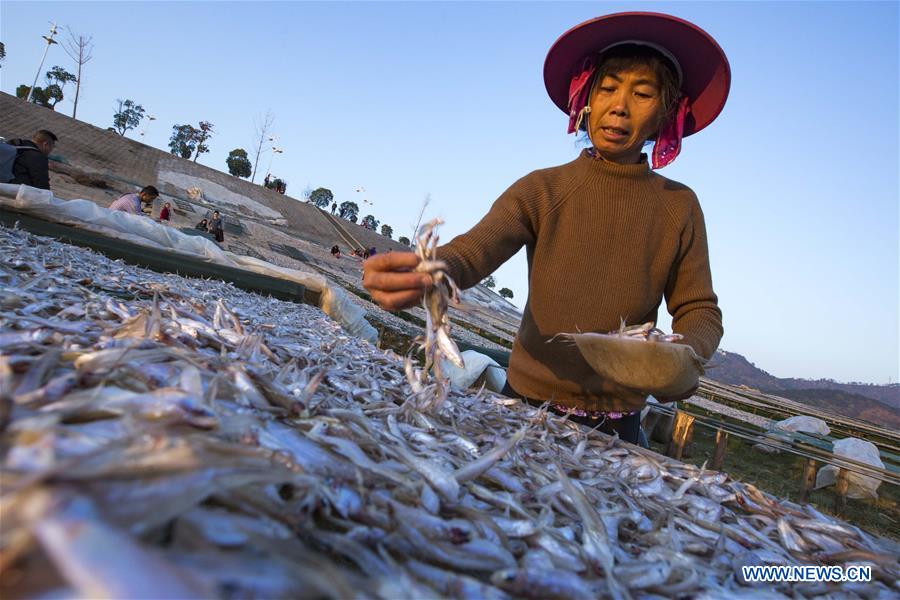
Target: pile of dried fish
[[165, 437]]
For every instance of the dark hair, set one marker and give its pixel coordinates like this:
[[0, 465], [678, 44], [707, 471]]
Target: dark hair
[[44, 135], [628, 56], [150, 190]]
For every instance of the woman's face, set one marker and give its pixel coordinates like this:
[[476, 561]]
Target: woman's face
[[625, 109]]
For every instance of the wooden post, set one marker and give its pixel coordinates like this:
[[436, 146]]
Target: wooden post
[[807, 480], [840, 488], [718, 458], [684, 426]]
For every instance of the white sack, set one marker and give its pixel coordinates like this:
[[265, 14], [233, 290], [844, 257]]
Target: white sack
[[803, 423], [859, 486], [780, 432], [144, 231], [476, 365]]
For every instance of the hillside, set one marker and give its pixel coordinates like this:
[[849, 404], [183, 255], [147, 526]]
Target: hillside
[[846, 403], [95, 164], [874, 403]]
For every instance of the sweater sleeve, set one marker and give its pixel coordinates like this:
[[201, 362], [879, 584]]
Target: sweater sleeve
[[689, 293], [510, 224]]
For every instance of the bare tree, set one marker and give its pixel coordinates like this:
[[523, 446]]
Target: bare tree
[[81, 50], [263, 124]]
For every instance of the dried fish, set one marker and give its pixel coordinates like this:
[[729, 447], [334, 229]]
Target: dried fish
[[437, 343], [196, 440]]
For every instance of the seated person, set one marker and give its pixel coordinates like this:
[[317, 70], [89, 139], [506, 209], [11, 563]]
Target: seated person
[[132, 203], [203, 225], [335, 251]]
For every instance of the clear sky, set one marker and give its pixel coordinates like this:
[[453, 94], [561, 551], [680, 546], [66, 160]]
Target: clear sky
[[798, 178]]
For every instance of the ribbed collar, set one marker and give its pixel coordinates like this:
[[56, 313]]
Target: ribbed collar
[[597, 167]]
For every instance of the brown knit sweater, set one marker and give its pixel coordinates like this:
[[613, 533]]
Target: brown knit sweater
[[604, 242]]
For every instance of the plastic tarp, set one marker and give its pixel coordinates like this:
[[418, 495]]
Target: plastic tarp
[[859, 486], [478, 368], [138, 229]]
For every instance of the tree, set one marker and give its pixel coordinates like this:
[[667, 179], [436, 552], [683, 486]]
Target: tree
[[403, 240], [348, 210], [39, 97], [370, 222], [52, 93], [128, 116], [2, 52], [489, 282], [321, 197], [187, 139], [506, 292], [238, 163], [387, 231], [57, 78], [263, 124], [204, 132], [81, 50], [183, 140], [277, 184]]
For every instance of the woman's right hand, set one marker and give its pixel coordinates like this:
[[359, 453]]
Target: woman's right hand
[[392, 280]]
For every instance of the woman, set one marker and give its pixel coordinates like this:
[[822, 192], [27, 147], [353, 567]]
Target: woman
[[164, 213], [607, 238]]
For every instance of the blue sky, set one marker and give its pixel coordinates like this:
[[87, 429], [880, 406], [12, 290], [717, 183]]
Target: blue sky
[[798, 178]]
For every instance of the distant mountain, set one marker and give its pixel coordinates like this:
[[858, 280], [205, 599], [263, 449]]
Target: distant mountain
[[874, 403], [848, 404]]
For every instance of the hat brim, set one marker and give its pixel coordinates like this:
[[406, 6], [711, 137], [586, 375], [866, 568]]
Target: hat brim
[[706, 74]]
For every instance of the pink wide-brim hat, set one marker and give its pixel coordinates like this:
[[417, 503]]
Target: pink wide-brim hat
[[706, 75]]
